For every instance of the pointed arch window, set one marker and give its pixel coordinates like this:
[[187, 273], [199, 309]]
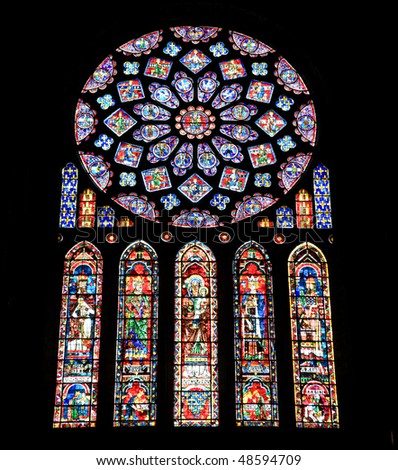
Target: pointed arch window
[[196, 361], [255, 359], [87, 209], [79, 338], [284, 217], [137, 332], [312, 339], [106, 216], [304, 211]]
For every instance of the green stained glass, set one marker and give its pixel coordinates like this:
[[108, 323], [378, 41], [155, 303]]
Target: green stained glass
[[136, 353]]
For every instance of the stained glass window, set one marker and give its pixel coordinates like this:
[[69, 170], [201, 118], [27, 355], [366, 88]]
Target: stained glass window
[[196, 362], [323, 210], [87, 209], [312, 338], [195, 127], [183, 122], [255, 359], [67, 216], [79, 338], [284, 217], [106, 216], [137, 330], [304, 213]]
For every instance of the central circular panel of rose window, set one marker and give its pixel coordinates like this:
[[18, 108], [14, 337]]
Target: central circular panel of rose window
[[195, 122], [196, 126]]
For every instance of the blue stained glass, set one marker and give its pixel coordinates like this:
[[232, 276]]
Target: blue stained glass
[[284, 217], [106, 216], [323, 210], [68, 205]]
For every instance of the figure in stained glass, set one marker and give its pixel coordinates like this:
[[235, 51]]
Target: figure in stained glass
[[136, 359], [255, 361], [312, 339], [79, 338], [196, 384]]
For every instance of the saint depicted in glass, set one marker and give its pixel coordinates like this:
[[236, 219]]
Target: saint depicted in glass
[[79, 338], [196, 375], [136, 354], [255, 360], [312, 338]]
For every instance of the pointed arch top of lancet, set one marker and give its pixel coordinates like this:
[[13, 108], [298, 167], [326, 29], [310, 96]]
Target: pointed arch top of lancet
[[189, 249], [137, 244], [86, 249], [307, 249], [248, 245]]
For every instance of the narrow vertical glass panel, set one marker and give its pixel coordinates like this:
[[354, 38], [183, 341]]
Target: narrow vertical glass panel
[[284, 217], [106, 217], [68, 207], [79, 338], [196, 361], [137, 332], [255, 359], [86, 209], [304, 213], [323, 209], [312, 339]]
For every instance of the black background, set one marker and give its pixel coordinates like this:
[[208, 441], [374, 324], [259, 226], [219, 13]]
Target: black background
[[51, 51]]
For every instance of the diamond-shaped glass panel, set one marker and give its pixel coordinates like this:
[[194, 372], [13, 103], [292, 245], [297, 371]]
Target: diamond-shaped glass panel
[[156, 179], [130, 90], [271, 123], [158, 68], [233, 179], [194, 188], [119, 122], [195, 60]]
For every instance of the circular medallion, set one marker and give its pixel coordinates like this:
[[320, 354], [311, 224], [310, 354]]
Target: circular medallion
[[162, 94], [150, 111], [195, 122]]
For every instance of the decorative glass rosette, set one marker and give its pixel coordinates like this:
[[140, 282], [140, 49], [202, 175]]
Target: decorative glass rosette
[[201, 125]]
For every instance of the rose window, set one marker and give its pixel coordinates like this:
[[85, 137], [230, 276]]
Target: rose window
[[203, 122]]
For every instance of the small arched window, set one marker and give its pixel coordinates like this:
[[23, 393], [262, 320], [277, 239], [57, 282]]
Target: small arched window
[[304, 213], [87, 209]]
